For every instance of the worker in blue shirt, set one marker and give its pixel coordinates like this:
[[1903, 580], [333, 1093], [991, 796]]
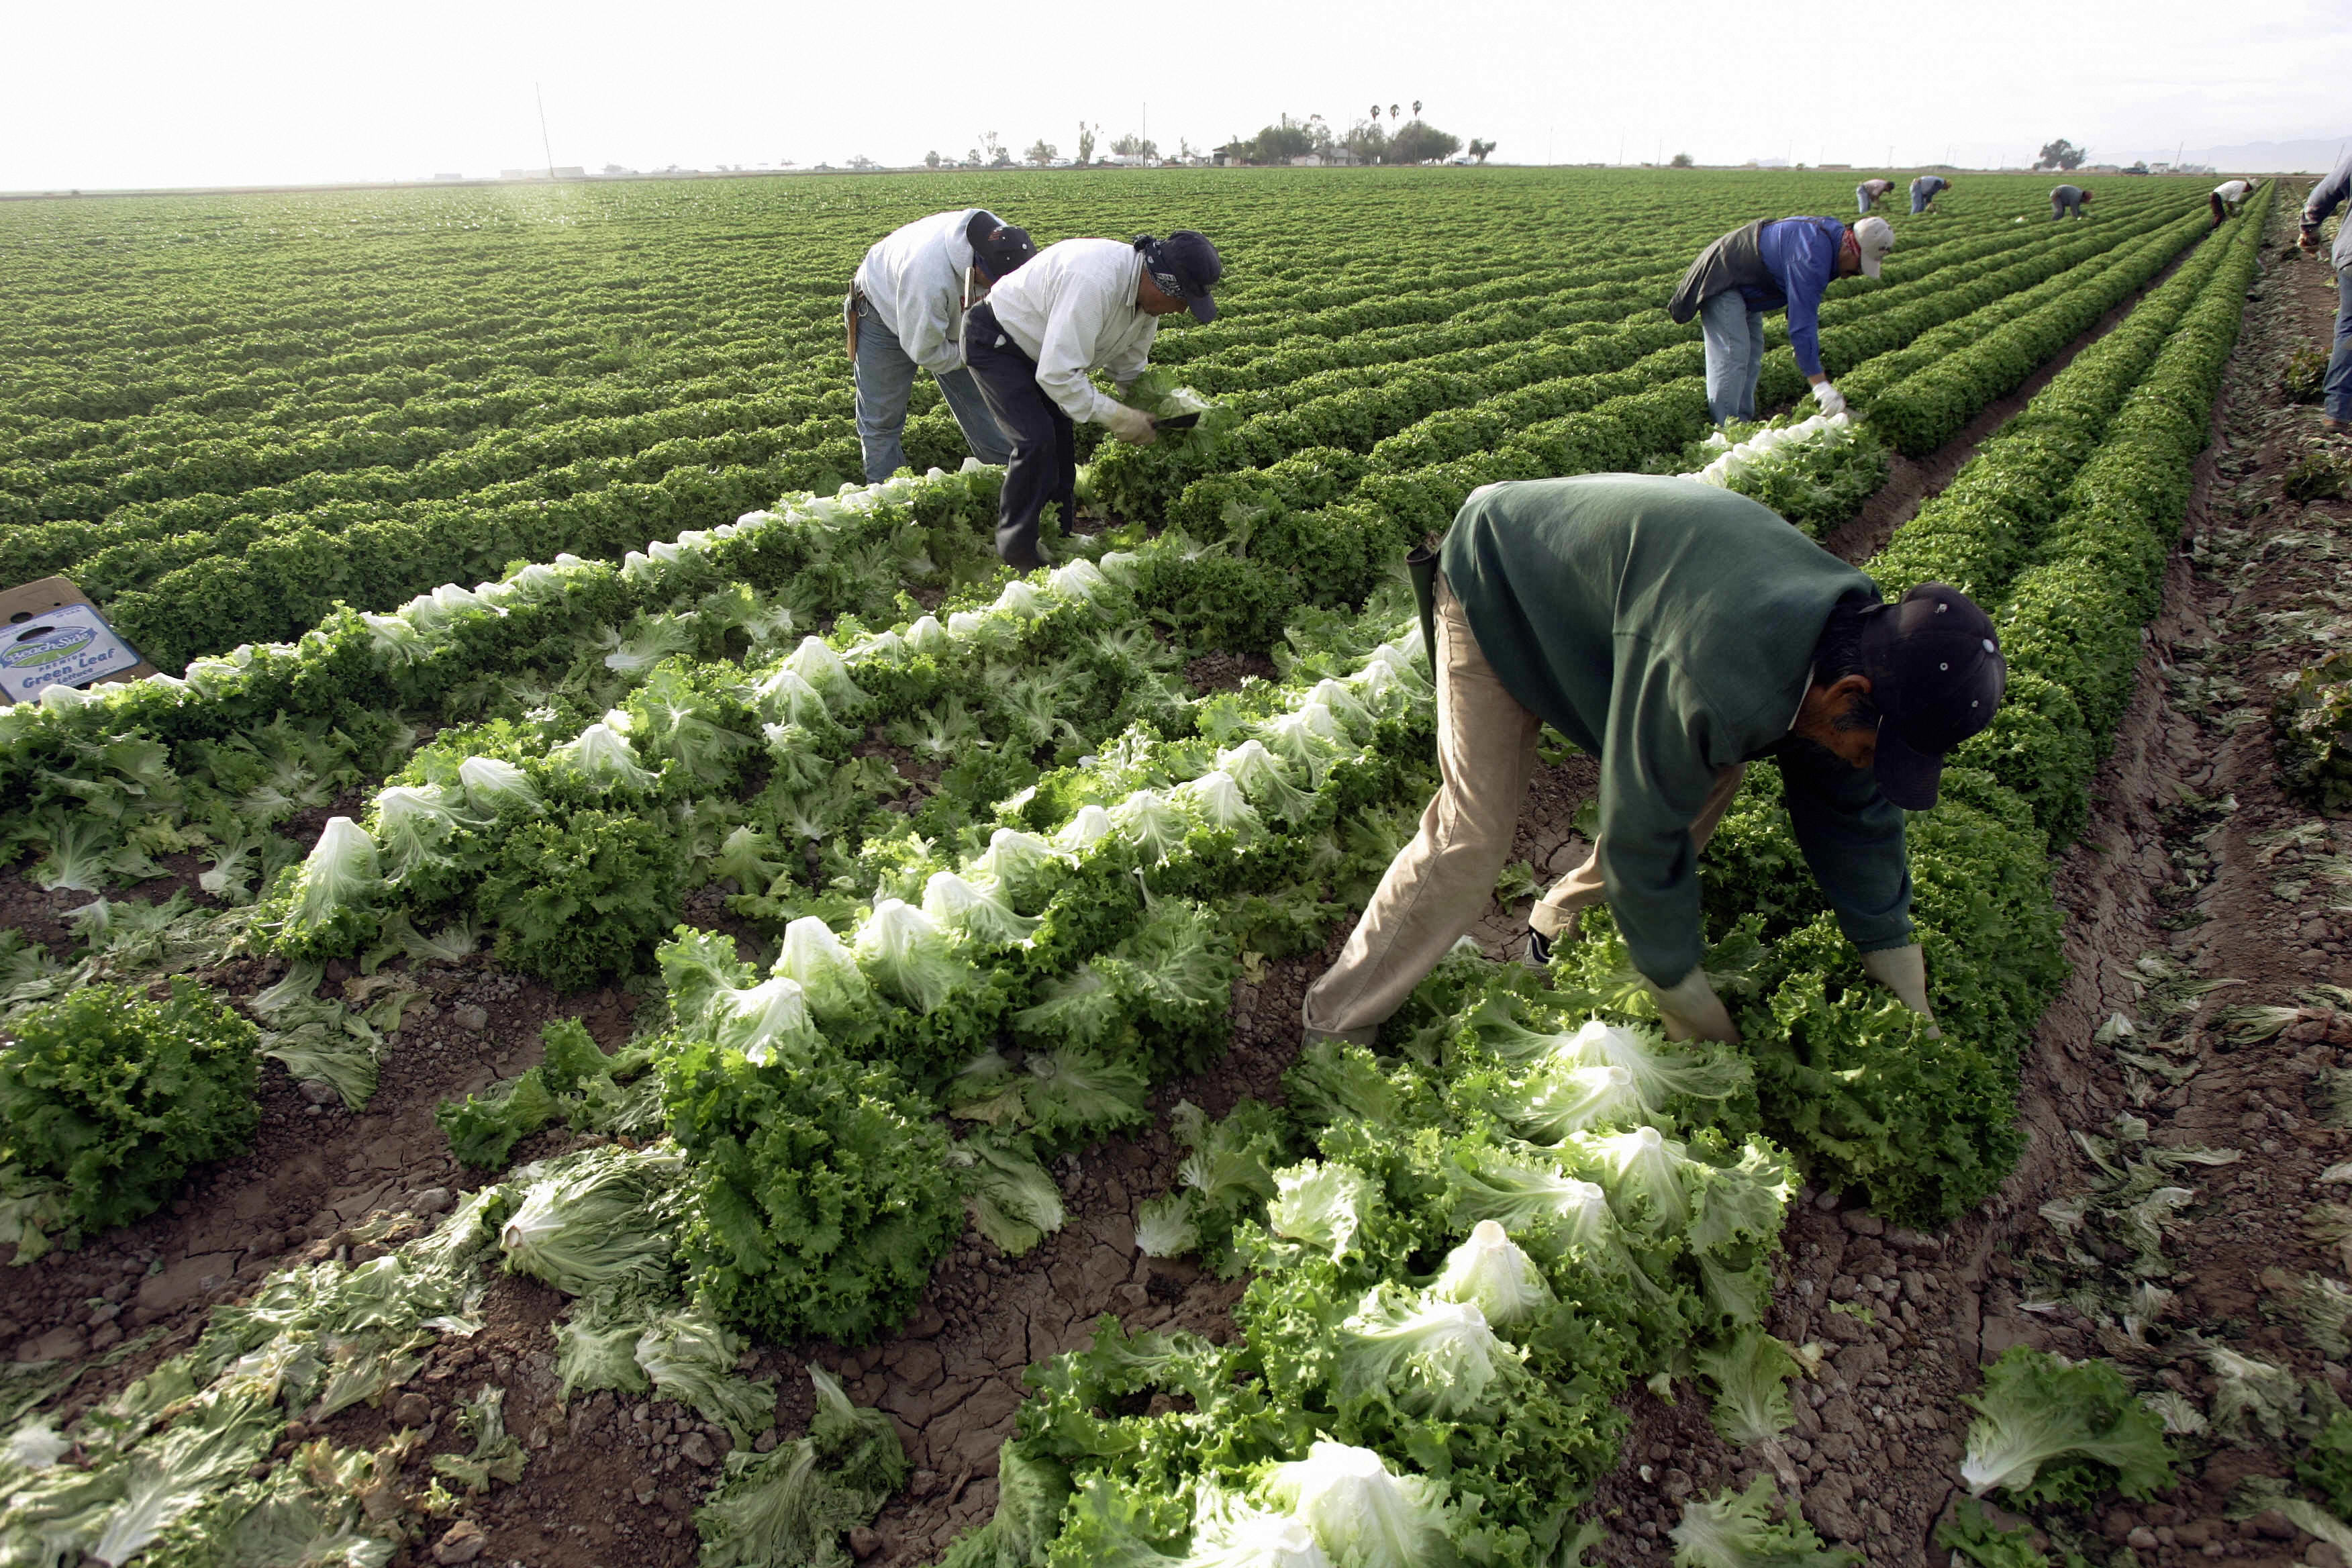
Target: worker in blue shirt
[[1762, 268], [1925, 190]]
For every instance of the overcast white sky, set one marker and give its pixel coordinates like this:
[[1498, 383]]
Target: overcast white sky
[[196, 93]]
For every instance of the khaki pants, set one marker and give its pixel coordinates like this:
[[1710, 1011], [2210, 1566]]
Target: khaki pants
[[1439, 884]]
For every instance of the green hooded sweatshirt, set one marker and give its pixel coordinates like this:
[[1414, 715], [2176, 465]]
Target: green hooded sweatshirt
[[1668, 627]]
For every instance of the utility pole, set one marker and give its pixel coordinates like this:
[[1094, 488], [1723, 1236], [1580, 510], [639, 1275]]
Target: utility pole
[[544, 145], [1621, 149], [1147, 125]]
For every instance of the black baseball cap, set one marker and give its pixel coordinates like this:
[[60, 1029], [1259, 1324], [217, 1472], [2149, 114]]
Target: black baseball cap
[[1936, 675], [1186, 266], [997, 247]]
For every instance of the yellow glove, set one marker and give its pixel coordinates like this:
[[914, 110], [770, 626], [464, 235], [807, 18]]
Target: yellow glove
[[1903, 971], [1690, 1010], [1130, 425]]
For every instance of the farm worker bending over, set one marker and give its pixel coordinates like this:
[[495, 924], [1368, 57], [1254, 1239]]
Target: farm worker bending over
[[1083, 305], [2324, 198], [2068, 199], [1870, 193], [1925, 190], [905, 310], [1758, 269], [2227, 197], [1678, 632]]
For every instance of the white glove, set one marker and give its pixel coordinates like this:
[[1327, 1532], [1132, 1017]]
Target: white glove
[[1130, 425], [1690, 1010], [1903, 971], [1832, 400]]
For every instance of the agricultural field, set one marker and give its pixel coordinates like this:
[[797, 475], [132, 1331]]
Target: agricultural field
[[633, 1002]]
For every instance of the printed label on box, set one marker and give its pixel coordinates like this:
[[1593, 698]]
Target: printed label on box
[[72, 645]]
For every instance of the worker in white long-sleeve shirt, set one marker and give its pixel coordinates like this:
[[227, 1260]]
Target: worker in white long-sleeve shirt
[[905, 313], [1083, 305], [2228, 197]]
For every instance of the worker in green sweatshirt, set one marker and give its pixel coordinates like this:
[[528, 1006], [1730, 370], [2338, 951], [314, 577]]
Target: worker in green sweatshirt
[[1678, 632]]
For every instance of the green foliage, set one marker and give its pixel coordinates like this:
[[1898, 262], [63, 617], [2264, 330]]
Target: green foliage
[[2327, 1466], [1971, 1536], [821, 1193], [577, 1084], [2048, 1430], [579, 900], [2313, 723], [794, 1503], [115, 1097]]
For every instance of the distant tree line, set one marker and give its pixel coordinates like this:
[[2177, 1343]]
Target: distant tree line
[[1414, 141]]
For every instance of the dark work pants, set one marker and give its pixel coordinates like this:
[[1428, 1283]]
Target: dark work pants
[[2338, 386], [1044, 463]]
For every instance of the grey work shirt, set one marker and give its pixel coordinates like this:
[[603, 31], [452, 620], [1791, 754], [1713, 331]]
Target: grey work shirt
[[1668, 627], [2324, 198]]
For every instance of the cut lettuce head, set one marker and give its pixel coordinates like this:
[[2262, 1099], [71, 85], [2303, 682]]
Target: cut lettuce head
[[1014, 860], [1363, 1514], [1089, 826], [2036, 1409], [828, 975], [1254, 768], [1324, 1206], [1537, 1204], [904, 952], [338, 880], [767, 1023], [602, 757], [980, 913], [1164, 1228], [1490, 1272], [596, 1347], [1014, 1202], [596, 1221], [1425, 1355], [492, 786]]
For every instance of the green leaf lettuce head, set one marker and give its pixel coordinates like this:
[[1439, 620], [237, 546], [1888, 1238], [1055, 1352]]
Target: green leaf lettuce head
[[1737, 1530], [115, 1097], [1490, 1272], [793, 1505], [1360, 1511], [1424, 1355], [821, 1190], [2036, 1409]]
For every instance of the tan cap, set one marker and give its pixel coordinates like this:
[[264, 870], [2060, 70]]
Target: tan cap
[[1876, 237]]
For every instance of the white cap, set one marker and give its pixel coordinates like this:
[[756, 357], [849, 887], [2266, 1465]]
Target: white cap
[[1876, 237]]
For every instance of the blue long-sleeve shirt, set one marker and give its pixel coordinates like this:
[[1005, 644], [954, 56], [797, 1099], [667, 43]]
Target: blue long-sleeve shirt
[[1801, 254], [2324, 198]]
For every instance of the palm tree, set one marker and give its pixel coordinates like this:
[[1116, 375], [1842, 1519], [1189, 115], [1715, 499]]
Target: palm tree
[[1376, 114], [1416, 108], [1392, 111]]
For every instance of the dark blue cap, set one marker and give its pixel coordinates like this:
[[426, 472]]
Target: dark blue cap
[[997, 247], [1936, 675], [1185, 266]]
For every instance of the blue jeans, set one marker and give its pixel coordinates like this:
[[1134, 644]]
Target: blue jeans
[[886, 376], [2338, 386], [1734, 330], [1861, 199]]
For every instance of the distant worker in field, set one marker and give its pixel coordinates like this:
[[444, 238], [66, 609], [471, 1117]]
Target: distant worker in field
[[2068, 201], [2335, 394], [1870, 193], [2228, 197], [1676, 632], [1083, 305], [1925, 190], [1757, 269], [905, 312]]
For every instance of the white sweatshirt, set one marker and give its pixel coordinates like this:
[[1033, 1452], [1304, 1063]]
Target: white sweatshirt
[[2232, 190], [1072, 309], [913, 278]]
